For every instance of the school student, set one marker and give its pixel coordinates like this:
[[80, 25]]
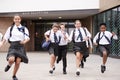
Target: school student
[[53, 36], [103, 42], [63, 47], [79, 38], [18, 36]]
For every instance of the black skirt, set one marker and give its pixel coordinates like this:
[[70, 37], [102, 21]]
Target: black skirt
[[54, 49], [80, 47], [17, 50]]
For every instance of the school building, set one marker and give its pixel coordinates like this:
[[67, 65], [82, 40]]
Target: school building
[[39, 15]]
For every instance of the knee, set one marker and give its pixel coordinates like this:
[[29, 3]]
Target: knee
[[17, 62], [11, 60], [104, 53], [77, 57], [53, 56]]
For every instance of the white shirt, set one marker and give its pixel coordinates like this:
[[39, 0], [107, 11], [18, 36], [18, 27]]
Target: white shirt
[[50, 33], [103, 40], [63, 41], [16, 34], [76, 34]]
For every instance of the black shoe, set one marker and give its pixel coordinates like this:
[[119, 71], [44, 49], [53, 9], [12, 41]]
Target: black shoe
[[53, 68], [103, 69], [64, 71], [78, 73], [82, 64], [51, 71], [57, 61], [7, 68], [84, 59], [15, 78]]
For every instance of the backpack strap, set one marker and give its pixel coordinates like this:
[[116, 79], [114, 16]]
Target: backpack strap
[[85, 31], [98, 40], [108, 39], [73, 36], [11, 28]]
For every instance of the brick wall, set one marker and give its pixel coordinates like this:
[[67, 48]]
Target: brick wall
[[107, 4], [4, 24]]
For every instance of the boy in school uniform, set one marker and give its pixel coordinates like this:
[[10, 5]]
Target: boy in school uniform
[[63, 47], [103, 42]]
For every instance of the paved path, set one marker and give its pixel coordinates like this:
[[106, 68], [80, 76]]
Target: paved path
[[38, 68]]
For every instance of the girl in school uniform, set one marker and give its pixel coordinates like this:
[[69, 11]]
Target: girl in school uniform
[[63, 47], [103, 41], [18, 36], [79, 38], [53, 36]]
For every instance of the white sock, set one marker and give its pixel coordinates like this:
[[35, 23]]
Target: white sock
[[51, 68], [78, 69], [9, 65]]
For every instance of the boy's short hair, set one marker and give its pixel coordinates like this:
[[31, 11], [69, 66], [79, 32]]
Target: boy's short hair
[[62, 24], [103, 24]]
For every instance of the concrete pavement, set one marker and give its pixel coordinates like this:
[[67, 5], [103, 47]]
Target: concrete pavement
[[38, 68]]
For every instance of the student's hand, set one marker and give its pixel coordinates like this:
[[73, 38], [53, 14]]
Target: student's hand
[[86, 38], [69, 41], [65, 37], [1, 43], [22, 42], [113, 33], [95, 44], [47, 39]]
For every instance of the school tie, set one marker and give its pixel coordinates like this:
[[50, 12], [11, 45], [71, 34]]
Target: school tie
[[55, 38], [80, 35]]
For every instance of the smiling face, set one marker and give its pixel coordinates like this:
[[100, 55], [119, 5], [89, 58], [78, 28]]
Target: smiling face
[[102, 28], [55, 29], [77, 24], [62, 27], [17, 20]]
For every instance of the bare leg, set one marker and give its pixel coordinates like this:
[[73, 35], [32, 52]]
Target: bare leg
[[52, 60], [104, 57], [17, 64], [103, 67], [11, 60], [78, 59]]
